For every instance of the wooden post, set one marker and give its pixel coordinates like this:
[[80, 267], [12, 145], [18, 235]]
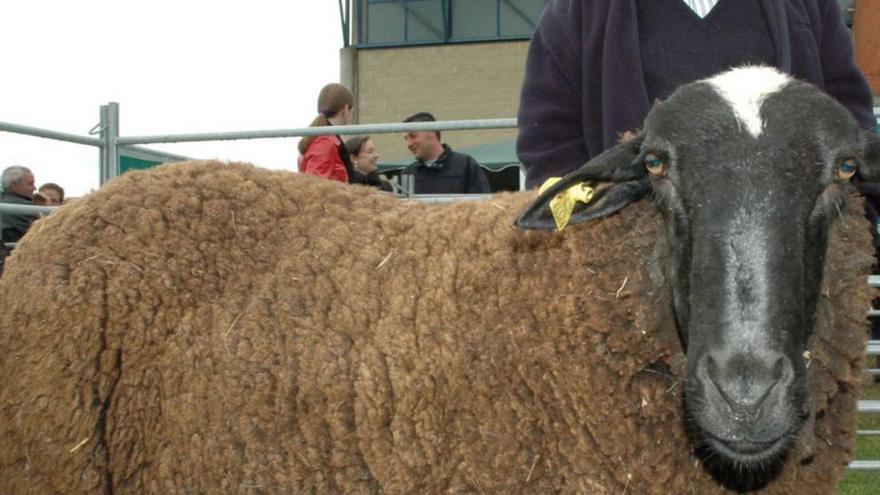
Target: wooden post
[[866, 29]]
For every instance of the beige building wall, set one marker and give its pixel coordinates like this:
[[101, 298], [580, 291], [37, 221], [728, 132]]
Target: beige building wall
[[454, 82]]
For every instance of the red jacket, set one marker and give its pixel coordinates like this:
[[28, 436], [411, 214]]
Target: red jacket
[[324, 158]]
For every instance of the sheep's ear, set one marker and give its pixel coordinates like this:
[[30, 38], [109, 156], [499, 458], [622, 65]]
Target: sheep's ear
[[870, 170], [617, 165]]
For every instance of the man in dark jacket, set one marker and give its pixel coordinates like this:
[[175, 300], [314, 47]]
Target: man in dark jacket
[[438, 169], [18, 188], [595, 67]]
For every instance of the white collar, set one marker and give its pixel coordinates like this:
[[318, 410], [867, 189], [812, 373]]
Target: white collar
[[701, 7]]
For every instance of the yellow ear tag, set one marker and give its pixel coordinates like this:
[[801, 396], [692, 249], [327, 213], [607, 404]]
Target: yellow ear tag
[[563, 204]]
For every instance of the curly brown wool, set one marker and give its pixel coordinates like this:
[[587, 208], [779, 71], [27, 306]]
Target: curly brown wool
[[213, 328]]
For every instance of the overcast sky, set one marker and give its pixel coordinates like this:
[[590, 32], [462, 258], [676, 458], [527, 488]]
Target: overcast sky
[[174, 66]]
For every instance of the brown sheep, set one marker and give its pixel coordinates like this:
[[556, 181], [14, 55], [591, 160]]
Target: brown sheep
[[211, 328], [749, 170], [205, 328]]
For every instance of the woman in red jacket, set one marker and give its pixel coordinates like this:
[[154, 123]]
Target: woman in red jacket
[[326, 156]]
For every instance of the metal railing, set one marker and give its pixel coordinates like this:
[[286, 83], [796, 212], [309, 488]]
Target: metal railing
[[874, 350], [112, 140], [17, 209], [446, 125], [110, 143], [870, 406]]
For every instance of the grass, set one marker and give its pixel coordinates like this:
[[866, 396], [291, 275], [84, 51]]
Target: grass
[[867, 447], [860, 483]]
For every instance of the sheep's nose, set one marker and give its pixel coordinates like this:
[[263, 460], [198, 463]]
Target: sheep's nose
[[745, 381]]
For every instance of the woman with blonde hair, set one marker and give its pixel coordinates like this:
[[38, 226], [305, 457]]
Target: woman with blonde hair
[[326, 156]]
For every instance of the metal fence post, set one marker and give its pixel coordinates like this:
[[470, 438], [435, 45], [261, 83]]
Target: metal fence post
[[109, 135], [407, 183], [102, 150]]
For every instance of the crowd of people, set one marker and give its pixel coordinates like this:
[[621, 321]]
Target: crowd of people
[[19, 188], [437, 169]]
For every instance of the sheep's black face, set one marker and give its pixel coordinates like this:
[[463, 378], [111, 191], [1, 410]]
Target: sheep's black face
[[748, 192], [747, 219]]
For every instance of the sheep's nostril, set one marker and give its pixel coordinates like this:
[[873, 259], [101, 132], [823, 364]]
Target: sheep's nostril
[[779, 369], [712, 369], [745, 381]]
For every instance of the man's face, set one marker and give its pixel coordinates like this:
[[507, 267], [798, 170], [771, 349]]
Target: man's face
[[24, 187], [421, 144]]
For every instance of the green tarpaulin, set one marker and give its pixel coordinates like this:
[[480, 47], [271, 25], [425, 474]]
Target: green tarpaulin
[[492, 156]]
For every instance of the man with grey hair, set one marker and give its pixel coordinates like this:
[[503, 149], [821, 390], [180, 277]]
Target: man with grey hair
[[18, 188]]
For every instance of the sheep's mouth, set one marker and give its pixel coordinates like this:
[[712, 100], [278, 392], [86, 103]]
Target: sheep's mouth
[[744, 465], [748, 452], [743, 456], [747, 449]]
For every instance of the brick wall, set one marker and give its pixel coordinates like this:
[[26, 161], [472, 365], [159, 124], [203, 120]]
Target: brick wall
[[867, 41], [454, 82]]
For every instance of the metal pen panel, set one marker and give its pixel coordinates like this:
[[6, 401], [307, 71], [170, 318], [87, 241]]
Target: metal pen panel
[[869, 406], [864, 465], [45, 133], [17, 209], [449, 125]]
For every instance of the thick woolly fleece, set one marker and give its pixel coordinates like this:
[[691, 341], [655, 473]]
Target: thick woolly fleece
[[211, 328]]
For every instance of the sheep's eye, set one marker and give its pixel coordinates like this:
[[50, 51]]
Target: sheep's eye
[[847, 169], [654, 164]]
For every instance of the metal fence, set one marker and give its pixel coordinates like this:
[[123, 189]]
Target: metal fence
[[871, 406], [110, 143]]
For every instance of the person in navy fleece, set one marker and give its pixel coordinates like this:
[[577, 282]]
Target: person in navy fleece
[[595, 67]]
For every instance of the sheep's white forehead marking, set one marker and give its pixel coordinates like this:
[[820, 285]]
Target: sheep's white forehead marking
[[745, 88]]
